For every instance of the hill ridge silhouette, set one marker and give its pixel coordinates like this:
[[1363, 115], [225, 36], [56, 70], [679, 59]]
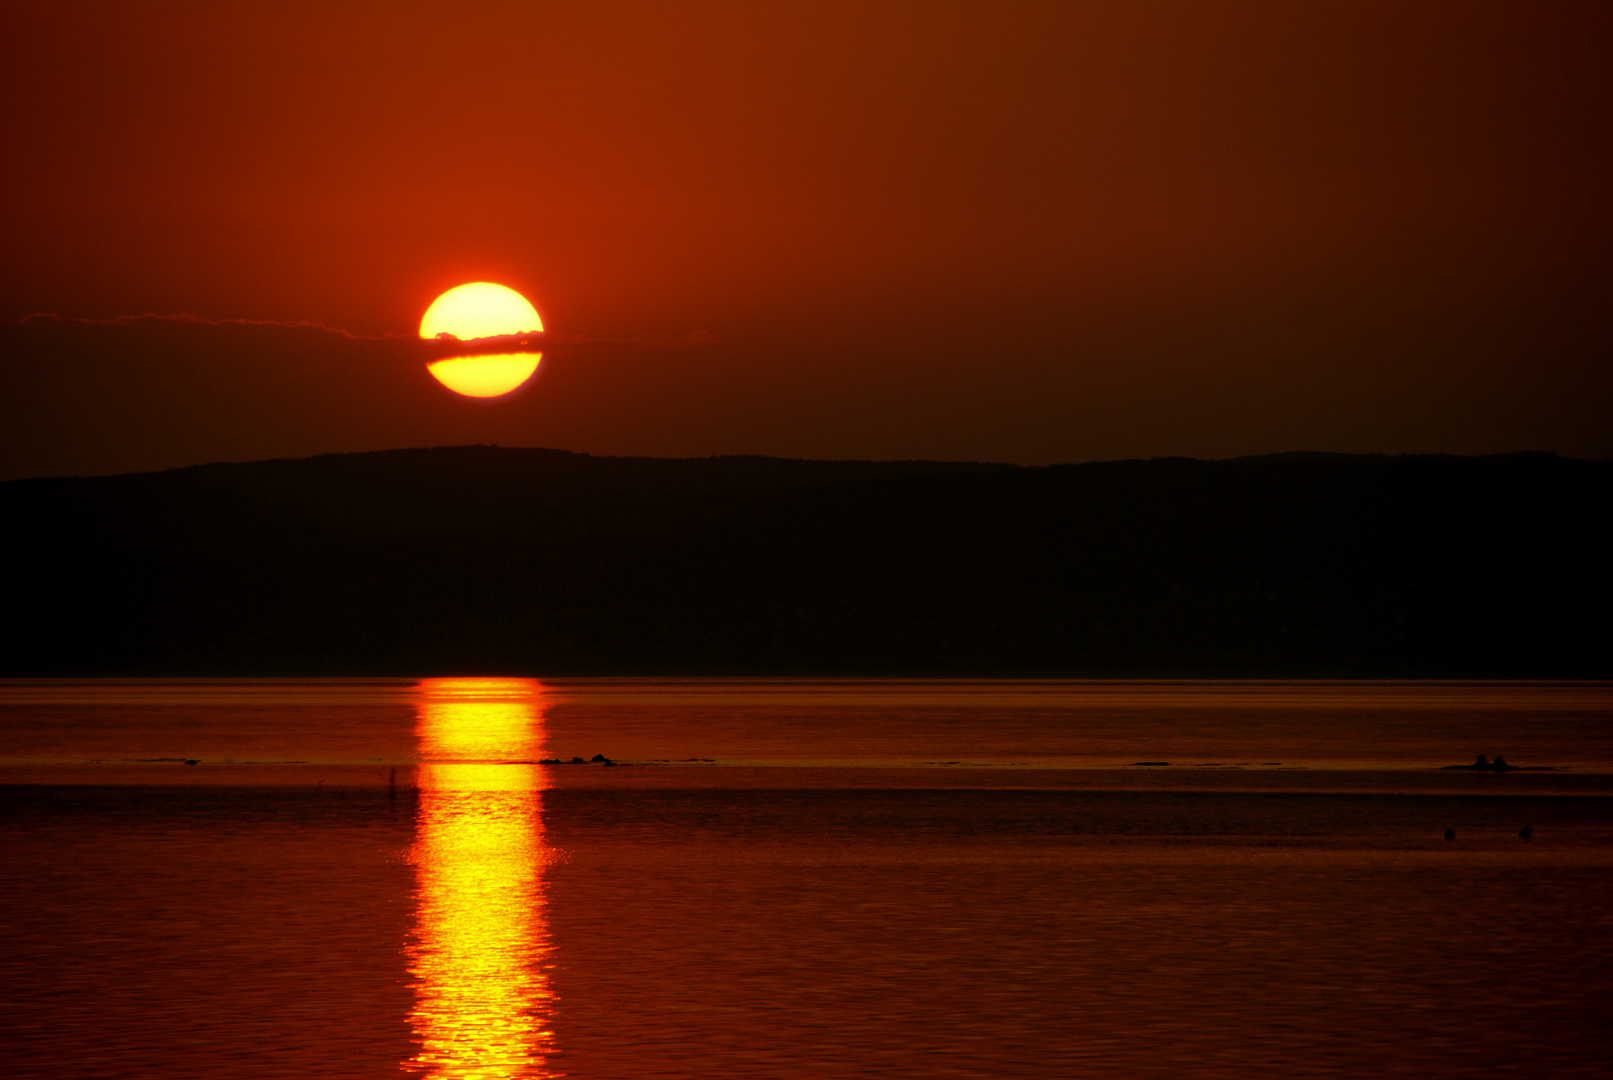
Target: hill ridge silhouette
[[480, 559]]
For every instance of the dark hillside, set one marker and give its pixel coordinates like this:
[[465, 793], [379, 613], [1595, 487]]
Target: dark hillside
[[482, 560]]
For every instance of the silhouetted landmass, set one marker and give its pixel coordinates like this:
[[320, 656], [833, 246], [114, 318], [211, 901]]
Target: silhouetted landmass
[[487, 560]]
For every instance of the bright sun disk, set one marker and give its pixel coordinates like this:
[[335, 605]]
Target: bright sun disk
[[485, 376], [482, 309]]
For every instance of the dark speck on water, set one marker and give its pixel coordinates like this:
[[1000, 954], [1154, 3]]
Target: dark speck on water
[[1499, 765]]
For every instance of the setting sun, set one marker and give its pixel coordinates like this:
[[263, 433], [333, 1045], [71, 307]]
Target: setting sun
[[485, 376], [481, 310]]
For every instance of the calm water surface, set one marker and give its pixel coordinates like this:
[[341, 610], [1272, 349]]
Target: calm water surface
[[367, 879]]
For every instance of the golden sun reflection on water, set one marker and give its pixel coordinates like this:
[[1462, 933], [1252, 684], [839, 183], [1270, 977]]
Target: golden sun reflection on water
[[482, 1001]]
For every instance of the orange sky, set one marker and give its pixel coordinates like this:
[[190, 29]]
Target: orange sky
[[1027, 232]]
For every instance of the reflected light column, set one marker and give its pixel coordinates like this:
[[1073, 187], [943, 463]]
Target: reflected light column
[[482, 1001]]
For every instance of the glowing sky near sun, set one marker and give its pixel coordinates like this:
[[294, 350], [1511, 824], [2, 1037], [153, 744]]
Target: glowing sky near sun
[[1016, 231]]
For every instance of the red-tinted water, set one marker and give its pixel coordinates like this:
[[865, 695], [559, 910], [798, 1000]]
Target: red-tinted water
[[380, 883]]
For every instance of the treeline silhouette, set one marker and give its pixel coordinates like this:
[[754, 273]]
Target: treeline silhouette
[[480, 560]]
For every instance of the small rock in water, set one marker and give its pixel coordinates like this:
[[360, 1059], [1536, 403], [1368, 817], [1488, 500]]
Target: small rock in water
[[600, 757], [1525, 833], [1450, 834]]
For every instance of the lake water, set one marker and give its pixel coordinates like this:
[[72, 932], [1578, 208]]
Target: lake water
[[787, 879]]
